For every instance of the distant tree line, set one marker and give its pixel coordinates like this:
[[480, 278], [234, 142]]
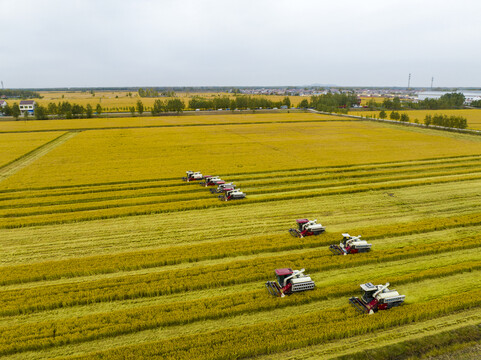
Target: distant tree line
[[458, 122], [23, 94], [155, 93], [447, 101], [339, 102], [240, 102], [476, 103]]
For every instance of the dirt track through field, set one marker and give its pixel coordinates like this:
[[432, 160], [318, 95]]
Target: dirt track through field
[[30, 157]]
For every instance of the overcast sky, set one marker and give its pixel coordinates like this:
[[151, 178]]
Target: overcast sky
[[68, 43]]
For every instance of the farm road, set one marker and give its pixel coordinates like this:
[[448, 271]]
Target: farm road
[[27, 159]]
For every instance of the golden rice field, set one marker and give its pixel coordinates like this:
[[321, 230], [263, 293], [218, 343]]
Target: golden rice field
[[118, 100], [107, 254], [473, 115]]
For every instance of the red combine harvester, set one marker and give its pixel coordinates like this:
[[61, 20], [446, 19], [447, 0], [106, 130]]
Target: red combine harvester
[[307, 228], [375, 298], [350, 245], [222, 188], [234, 194], [212, 181], [193, 176], [289, 281]]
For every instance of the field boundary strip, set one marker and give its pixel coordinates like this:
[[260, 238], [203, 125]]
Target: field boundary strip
[[396, 122], [28, 158]]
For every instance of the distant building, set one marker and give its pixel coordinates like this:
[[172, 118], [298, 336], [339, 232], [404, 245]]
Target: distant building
[[3, 103], [27, 105]]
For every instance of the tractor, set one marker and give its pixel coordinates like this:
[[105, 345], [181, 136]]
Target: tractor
[[307, 228], [375, 298], [212, 181], [289, 281], [193, 176], [222, 188], [234, 194], [350, 245]]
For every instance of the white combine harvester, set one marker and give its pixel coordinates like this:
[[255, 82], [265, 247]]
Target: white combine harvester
[[306, 227], [193, 176], [234, 194], [350, 245], [289, 281], [375, 298]]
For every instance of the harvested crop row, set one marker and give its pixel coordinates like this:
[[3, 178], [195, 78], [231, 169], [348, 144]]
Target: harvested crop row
[[67, 214], [181, 192], [277, 336], [25, 337], [197, 252], [201, 277], [247, 179]]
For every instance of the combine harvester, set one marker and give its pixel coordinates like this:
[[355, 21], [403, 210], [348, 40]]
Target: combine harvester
[[193, 176], [289, 281], [212, 181], [222, 188], [234, 194], [307, 228], [350, 245], [375, 298]]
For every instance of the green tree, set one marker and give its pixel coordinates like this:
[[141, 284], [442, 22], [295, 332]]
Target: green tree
[[52, 108], [89, 111], [304, 104], [157, 108], [40, 113], [98, 109], [140, 107], [132, 110], [15, 111], [286, 101], [404, 117], [382, 114], [394, 115]]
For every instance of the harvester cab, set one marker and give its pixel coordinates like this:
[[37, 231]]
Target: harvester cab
[[350, 245], [192, 176], [375, 298], [289, 281], [234, 194], [223, 188], [307, 228]]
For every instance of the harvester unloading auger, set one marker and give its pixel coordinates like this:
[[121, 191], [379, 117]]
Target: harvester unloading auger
[[350, 245], [307, 228], [375, 298], [289, 281]]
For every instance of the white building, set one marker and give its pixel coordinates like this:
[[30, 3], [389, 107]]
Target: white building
[[3, 103], [27, 105]]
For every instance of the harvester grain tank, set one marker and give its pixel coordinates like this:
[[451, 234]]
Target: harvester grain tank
[[307, 227], [375, 298], [350, 245], [193, 176], [289, 281]]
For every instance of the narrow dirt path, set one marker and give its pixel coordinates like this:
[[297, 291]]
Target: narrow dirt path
[[29, 158]]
